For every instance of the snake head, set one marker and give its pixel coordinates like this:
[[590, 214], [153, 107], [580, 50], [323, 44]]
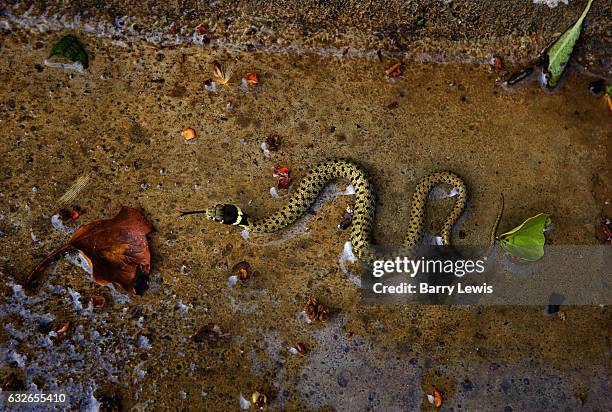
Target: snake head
[[226, 214]]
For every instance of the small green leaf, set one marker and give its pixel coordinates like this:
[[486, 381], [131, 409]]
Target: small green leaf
[[609, 89], [71, 48], [526, 241], [557, 56], [420, 22]]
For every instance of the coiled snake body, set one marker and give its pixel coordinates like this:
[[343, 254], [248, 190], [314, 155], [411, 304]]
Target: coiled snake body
[[363, 211]]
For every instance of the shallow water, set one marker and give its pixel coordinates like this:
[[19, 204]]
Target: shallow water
[[122, 122]]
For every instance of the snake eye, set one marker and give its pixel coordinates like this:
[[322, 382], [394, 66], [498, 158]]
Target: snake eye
[[229, 214]]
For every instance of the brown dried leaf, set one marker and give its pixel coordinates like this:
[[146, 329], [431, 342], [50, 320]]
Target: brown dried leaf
[[252, 78], [114, 248]]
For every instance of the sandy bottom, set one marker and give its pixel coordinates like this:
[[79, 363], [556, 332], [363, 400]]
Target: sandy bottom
[[122, 123]]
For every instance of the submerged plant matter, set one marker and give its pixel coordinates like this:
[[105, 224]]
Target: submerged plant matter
[[556, 57], [71, 48], [526, 241], [114, 248]]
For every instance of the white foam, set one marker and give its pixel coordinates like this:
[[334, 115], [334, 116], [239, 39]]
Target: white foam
[[76, 66], [143, 342], [182, 308], [244, 404], [347, 255], [440, 192], [551, 3], [58, 224], [77, 259], [303, 315], [231, 281]]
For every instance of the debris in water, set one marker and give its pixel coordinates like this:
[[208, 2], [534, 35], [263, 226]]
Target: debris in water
[[210, 86], [301, 348], [347, 218], [70, 48], [189, 134], [269, 145], [420, 22], [252, 78], [259, 399], [315, 311], [73, 191], [526, 241], [210, 333], [98, 301], [394, 71], [519, 77], [63, 328], [273, 142], [497, 63], [242, 270], [282, 174], [220, 74], [435, 398], [74, 214], [597, 87], [114, 248], [557, 56]]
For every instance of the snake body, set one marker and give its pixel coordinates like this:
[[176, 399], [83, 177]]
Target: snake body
[[363, 212]]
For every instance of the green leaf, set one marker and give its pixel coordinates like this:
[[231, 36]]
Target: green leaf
[[71, 48], [559, 53], [609, 89], [526, 241]]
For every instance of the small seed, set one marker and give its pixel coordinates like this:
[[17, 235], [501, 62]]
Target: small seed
[[189, 134], [252, 78]]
